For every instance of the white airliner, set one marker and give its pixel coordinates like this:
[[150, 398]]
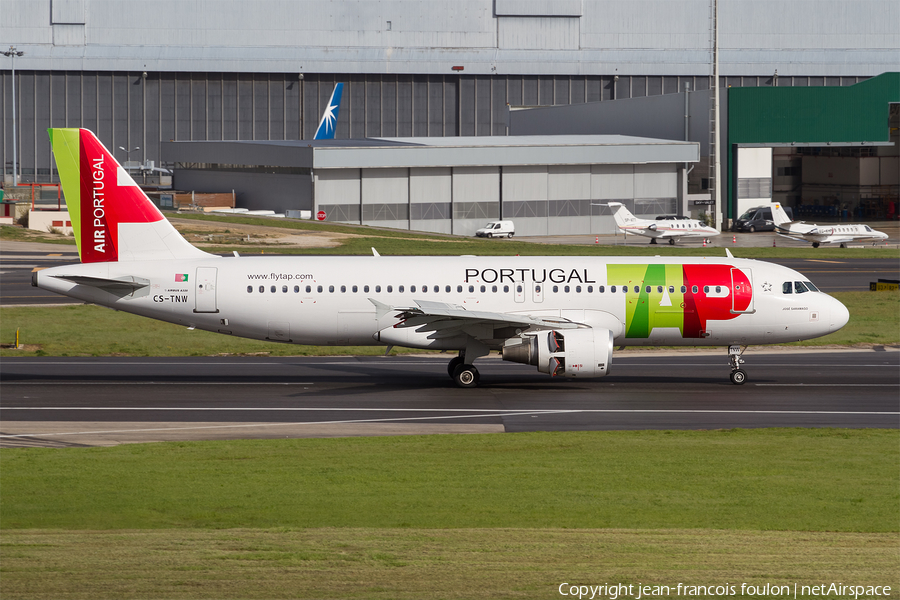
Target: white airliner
[[668, 229], [822, 234], [562, 315]]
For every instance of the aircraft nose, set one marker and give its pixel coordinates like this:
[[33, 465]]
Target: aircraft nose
[[839, 314]]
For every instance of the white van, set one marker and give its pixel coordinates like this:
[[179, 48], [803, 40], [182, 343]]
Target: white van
[[497, 229]]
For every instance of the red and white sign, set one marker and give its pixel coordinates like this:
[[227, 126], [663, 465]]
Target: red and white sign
[[320, 215]]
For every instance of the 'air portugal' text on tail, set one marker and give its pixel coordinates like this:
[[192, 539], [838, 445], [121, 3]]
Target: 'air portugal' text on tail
[[112, 218]]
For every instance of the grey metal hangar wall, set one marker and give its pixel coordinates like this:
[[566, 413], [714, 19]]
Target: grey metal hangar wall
[[548, 185]]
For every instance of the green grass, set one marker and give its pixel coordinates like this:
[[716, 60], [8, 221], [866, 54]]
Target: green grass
[[85, 330], [412, 564], [451, 516], [791, 479]]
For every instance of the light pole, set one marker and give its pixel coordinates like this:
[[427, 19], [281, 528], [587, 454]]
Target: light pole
[[13, 53]]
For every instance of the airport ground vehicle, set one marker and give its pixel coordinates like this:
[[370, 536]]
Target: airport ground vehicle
[[497, 229], [757, 219]]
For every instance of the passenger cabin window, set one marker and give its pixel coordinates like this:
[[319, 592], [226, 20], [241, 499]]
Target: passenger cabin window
[[319, 289], [343, 289], [377, 289], [602, 289], [578, 289], [458, 289], [355, 289], [694, 289], [308, 289], [555, 289], [296, 289], [471, 289], [262, 289], [494, 289], [612, 289], [390, 289], [284, 289], [249, 289], [483, 289], [331, 289], [400, 288], [272, 289]]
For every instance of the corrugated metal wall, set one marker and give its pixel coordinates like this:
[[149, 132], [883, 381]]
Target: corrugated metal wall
[[130, 110]]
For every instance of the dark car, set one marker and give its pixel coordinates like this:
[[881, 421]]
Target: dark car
[[758, 219]]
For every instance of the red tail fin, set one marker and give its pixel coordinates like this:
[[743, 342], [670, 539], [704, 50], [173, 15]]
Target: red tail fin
[[112, 217]]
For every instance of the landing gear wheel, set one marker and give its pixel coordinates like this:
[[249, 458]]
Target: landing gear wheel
[[738, 377], [652, 240], [671, 241], [815, 244], [843, 245], [466, 376], [454, 362]]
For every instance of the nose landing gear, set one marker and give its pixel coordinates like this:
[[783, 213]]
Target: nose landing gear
[[738, 376]]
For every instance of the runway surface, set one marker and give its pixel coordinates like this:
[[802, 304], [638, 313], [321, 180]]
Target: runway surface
[[104, 401]]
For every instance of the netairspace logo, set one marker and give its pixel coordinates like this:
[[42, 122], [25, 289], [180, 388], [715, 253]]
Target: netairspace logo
[[614, 591]]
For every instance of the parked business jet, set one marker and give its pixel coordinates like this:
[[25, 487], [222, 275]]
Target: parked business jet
[[822, 234], [330, 115], [562, 315], [669, 229]]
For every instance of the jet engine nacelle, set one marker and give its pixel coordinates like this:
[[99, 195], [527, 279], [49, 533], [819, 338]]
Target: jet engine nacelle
[[566, 353]]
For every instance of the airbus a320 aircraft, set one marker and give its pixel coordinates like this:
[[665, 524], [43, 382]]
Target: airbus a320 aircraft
[[822, 234], [668, 229], [562, 315]]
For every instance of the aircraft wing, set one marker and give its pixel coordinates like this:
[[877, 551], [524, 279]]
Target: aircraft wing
[[448, 320]]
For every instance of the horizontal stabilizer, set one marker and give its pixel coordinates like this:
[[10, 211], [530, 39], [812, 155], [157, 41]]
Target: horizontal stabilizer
[[128, 282]]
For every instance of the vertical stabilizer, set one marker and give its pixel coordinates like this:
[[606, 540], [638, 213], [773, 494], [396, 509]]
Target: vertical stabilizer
[[330, 116], [779, 216], [621, 214], [113, 219]]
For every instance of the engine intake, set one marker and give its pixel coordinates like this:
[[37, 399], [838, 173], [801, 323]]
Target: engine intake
[[566, 353]]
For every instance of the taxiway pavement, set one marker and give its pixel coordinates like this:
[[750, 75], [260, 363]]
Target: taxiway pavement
[[105, 401]]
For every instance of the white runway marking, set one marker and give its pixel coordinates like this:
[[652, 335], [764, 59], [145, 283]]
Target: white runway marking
[[246, 425], [492, 412]]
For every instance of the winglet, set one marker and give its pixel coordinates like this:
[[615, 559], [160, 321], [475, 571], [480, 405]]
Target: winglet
[[375, 252]]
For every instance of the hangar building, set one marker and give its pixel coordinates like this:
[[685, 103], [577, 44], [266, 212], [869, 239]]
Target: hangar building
[[547, 184], [146, 73]]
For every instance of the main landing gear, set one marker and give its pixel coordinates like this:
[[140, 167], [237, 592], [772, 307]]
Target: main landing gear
[[463, 375], [738, 376]]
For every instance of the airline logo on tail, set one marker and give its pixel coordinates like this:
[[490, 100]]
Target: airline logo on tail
[[100, 194], [330, 116]]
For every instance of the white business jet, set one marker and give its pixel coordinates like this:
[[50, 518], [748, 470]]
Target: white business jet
[[822, 234], [562, 315], [667, 229]]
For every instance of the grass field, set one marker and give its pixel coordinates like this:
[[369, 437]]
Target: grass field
[[478, 516], [84, 330]]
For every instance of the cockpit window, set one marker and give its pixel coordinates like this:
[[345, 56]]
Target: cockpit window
[[800, 287], [811, 287], [787, 287]]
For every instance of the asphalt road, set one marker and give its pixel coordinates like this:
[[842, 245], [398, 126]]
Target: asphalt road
[[18, 261], [102, 401]]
